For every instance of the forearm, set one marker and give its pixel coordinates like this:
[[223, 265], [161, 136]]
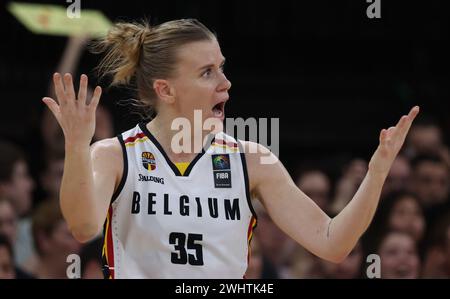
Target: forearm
[[70, 58], [71, 55], [346, 228], [77, 193]]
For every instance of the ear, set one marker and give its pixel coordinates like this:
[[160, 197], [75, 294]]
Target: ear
[[164, 91]]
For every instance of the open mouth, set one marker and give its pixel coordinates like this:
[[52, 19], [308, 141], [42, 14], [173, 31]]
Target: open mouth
[[219, 110]]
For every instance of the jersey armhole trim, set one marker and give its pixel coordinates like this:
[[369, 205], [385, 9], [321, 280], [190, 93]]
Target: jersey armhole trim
[[246, 180], [125, 170]]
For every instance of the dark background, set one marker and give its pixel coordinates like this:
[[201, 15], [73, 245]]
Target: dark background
[[333, 76]]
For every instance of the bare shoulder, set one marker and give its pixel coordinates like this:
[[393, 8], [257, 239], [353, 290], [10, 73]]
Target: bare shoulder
[[108, 162], [109, 147], [261, 162], [258, 155], [107, 156]]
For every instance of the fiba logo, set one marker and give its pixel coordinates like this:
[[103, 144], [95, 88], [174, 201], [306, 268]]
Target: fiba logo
[[221, 162], [221, 171], [148, 161]]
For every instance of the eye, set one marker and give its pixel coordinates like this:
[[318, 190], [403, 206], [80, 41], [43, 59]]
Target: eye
[[222, 68], [207, 73]]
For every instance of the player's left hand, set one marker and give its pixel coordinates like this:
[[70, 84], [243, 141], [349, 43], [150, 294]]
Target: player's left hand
[[391, 141]]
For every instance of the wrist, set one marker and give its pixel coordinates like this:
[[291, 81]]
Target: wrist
[[379, 175]]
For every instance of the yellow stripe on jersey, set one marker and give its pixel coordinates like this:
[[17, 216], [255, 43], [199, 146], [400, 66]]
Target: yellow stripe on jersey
[[252, 227], [182, 166], [233, 149], [105, 243], [143, 139]]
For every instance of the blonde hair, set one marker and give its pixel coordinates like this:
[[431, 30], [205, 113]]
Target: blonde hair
[[137, 53]]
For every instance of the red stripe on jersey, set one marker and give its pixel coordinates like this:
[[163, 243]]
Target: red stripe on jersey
[[251, 226], [223, 142], [110, 245], [133, 138]]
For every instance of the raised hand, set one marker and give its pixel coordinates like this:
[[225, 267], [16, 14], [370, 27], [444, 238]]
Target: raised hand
[[73, 113], [391, 141]]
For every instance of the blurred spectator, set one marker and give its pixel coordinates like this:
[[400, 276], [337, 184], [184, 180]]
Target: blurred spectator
[[402, 212], [51, 175], [91, 259], [17, 186], [53, 241], [431, 183], [346, 187], [399, 211], [104, 127], [6, 259], [425, 137], [316, 185], [399, 176], [430, 180], [350, 268], [8, 220], [15, 181], [255, 265], [437, 256], [8, 229], [398, 255], [305, 265], [52, 135], [275, 245], [406, 215]]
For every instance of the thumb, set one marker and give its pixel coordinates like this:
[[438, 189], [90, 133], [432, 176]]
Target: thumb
[[53, 106]]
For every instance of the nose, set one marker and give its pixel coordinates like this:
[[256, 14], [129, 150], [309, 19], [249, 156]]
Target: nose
[[225, 84]]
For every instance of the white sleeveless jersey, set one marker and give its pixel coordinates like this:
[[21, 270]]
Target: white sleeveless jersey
[[162, 224]]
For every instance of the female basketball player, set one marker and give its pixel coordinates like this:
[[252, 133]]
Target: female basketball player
[[188, 215]]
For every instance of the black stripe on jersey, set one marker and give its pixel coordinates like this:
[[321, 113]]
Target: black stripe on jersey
[[174, 168], [105, 266], [246, 180], [125, 169], [191, 165], [160, 148]]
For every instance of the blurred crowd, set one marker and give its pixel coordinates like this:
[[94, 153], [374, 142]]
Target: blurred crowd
[[410, 232]]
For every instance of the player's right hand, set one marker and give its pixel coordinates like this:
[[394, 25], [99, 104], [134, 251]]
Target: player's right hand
[[73, 113]]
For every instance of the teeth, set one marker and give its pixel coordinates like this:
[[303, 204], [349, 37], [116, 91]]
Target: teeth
[[217, 112]]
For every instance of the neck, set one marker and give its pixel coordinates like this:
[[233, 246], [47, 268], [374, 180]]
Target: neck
[[161, 128]]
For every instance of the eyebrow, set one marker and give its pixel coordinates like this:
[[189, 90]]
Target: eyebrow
[[211, 65]]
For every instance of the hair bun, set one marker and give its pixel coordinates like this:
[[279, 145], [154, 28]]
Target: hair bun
[[122, 44]]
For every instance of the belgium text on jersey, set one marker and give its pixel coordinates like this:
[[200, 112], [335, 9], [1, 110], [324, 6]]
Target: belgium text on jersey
[[184, 206]]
